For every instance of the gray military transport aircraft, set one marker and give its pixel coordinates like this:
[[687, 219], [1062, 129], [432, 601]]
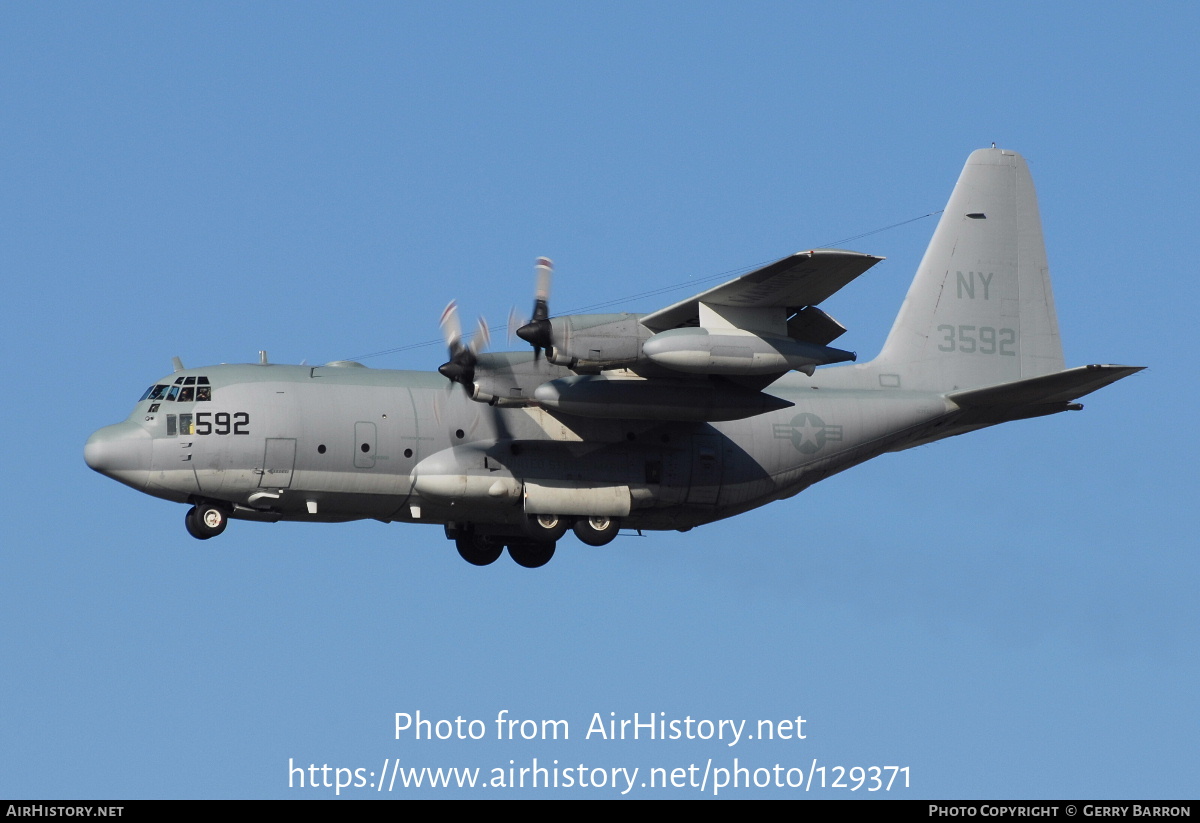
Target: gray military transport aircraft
[[693, 413]]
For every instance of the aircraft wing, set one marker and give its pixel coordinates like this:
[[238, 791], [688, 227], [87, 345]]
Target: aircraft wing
[[802, 279]]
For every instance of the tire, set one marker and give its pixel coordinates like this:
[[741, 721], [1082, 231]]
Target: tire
[[477, 549], [597, 531], [189, 522], [546, 528], [205, 521], [530, 554]]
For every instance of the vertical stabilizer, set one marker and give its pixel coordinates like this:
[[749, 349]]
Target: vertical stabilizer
[[980, 311]]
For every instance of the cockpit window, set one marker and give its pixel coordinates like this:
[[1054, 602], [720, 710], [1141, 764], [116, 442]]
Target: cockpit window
[[185, 390]]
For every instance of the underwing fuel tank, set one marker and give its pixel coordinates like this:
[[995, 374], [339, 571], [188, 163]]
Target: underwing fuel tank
[[700, 351], [598, 396]]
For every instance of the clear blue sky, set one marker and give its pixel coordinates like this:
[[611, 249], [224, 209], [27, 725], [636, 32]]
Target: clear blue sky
[[1009, 614]]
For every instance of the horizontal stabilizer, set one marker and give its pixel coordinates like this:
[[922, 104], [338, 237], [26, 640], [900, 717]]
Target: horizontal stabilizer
[[1021, 400], [803, 279], [1048, 389]]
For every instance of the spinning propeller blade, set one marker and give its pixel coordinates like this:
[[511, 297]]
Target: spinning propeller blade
[[460, 368], [537, 331]]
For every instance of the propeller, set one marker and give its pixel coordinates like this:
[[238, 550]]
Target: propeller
[[537, 331], [515, 321], [460, 368]]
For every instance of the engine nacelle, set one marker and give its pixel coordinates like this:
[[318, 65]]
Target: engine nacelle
[[597, 341], [510, 378]]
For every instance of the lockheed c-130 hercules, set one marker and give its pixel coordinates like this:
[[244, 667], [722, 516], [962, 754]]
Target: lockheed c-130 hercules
[[664, 421]]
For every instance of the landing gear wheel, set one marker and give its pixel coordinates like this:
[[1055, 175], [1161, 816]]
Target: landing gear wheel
[[546, 528], [477, 549], [205, 521], [529, 554], [189, 522], [597, 531]]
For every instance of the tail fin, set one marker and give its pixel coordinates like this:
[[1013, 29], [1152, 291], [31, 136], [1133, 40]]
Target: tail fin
[[980, 311]]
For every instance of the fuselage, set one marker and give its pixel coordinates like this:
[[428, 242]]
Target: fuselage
[[344, 442]]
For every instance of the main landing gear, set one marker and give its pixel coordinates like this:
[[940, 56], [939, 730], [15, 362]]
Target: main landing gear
[[530, 553], [483, 550], [597, 531], [541, 535], [205, 520], [546, 528], [478, 549]]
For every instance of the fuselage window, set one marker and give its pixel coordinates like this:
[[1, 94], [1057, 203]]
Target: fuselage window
[[170, 425], [185, 425]]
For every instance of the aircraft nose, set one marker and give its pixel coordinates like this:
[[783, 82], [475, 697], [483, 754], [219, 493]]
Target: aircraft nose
[[122, 452]]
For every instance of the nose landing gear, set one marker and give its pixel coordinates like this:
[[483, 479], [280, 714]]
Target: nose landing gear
[[205, 520]]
